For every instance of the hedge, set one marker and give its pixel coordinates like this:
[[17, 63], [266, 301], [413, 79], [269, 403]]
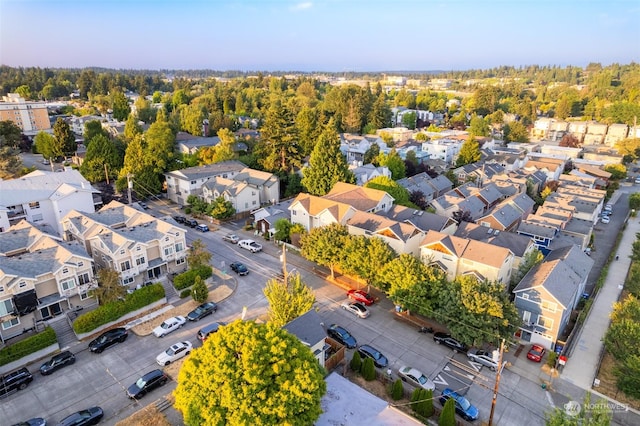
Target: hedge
[[113, 310], [186, 279], [185, 293], [28, 346]]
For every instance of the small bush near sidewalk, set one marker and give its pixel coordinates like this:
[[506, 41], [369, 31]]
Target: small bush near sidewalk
[[28, 346], [368, 369], [187, 279], [397, 390], [113, 310], [356, 362], [185, 293]]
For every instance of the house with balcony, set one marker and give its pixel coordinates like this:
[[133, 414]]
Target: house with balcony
[[457, 256], [137, 245], [43, 197], [443, 149], [548, 293], [596, 133], [247, 190], [578, 129], [41, 277], [189, 181], [402, 237], [615, 133]]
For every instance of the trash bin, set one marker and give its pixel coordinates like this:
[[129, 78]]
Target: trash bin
[[544, 386]]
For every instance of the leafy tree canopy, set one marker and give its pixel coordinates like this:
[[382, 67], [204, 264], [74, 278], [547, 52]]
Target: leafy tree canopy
[[288, 300], [399, 193]]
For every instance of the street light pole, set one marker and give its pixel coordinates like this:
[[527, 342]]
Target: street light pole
[[497, 384]]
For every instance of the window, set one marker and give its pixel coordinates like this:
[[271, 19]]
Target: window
[[11, 323], [166, 238], [293, 212], [526, 317], [34, 205], [179, 247], [140, 261], [545, 322], [525, 296], [180, 261], [80, 264], [6, 307], [125, 266], [83, 279], [1, 289], [68, 284], [548, 306], [121, 251], [37, 217], [65, 270], [138, 248], [168, 251], [22, 284], [84, 295], [127, 281]]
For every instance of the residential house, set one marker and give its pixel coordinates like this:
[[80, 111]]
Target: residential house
[[361, 198], [451, 202], [461, 256], [596, 133], [509, 185], [400, 236], [508, 161], [443, 149], [578, 129], [421, 219], [560, 151], [138, 246], [557, 130], [312, 212], [30, 117], [616, 133], [353, 147], [536, 179], [541, 128], [265, 218], [367, 172], [577, 178], [308, 328], [192, 144], [548, 293], [602, 154], [541, 229], [552, 167], [430, 187], [596, 172], [189, 181], [77, 124], [247, 190], [41, 277], [504, 217], [45, 197]]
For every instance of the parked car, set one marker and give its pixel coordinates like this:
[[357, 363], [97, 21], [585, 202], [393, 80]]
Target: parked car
[[192, 223], [250, 245], [202, 227], [637, 181], [169, 325], [207, 308], [143, 205], [447, 340], [179, 219], [608, 207], [463, 406], [415, 377], [342, 336], [108, 338], [360, 296], [207, 330], [15, 381], [36, 421], [536, 353], [368, 351], [147, 383], [356, 308], [231, 238], [483, 357], [90, 416], [239, 268], [174, 353], [56, 362], [605, 219]]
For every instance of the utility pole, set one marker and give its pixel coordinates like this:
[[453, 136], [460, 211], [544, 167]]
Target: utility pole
[[497, 384], [129, 186], [106, 173]]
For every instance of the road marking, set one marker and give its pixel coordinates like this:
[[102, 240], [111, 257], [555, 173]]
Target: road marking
[[438, 380], [475, 365]]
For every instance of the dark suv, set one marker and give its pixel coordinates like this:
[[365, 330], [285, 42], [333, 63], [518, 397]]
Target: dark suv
[[147, 383], [14, 381], [108, 338]]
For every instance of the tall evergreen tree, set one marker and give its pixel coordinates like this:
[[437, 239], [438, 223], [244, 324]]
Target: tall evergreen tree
[[280, 139], [65, 138], [469, 152], [120, 105], [327, 165], [101, 157]]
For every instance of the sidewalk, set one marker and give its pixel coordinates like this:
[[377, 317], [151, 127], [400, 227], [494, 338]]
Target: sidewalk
[[583, 363]]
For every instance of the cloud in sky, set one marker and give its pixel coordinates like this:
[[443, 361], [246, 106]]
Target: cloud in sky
[[302, 6]]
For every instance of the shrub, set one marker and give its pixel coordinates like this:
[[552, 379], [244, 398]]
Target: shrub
[[356, 362], [199, 291], [551, 359], [422, 402], [397, 390], [185, 293], [28, 346], [187, 279], [113, 310], [368, 369], [448, 414]]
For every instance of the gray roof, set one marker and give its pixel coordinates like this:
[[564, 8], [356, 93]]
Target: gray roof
[[42, 185], [538, 229], [517, 243], [307, 327], [374, 223], [523, 202], [42, 261], [199, 141], [489, 193], [207, 171], [505, 214], [556, 277], [419, 182], [577, 260], [422, 220], [441, 183]]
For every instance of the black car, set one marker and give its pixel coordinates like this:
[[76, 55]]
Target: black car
[[179, 219], [57, 361], [202, 311], [15, 381], [90, 416], [192, 223], [36, 421], [108, 338], [446, 339], [239, 268], [147, 383], [342, 336], [367, 351]]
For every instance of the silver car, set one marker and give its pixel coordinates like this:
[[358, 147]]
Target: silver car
[[483, 357], [357, 309]]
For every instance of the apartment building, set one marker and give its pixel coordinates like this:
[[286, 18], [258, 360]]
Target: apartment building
[[31, 117]]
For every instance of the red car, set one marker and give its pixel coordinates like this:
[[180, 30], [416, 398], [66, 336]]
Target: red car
[[536, 353], [360, 296]]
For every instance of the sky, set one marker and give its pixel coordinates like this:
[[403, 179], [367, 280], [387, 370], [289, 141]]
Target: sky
[[318, 35]]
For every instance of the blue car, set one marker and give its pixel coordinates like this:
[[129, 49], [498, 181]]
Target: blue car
[[341, 335], [463, 406]]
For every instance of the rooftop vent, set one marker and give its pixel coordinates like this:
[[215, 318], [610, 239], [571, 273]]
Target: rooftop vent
[[497, 232]]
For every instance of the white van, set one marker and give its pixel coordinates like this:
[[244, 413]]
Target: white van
[[250, 245]]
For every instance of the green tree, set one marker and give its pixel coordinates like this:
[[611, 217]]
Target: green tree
[[221, 208], [412, 284], [24, 91], [624, 330], [589, 414], [10, 161], [479, 126], [160, 144], [394, 163], [309, 129], [371, 154], [327, 165], [469, 152], [223, 151], [380, 114], [198, 254], [515, 132], [93, 128], [422, 402], [288, 300], [324, 245], [634, 201], [529, 261], [279, 140], [400, 194], [65, 138], [47, 145], [366, 257], [409, 120], [448, 414], [109, 287], [627, 373], [368, 370], [283, 228], [10, 134], [120, 105], [618, 171], [250, 373], [356, 362], [397, 390], [199, 290], [132, 128], [101, 159]]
